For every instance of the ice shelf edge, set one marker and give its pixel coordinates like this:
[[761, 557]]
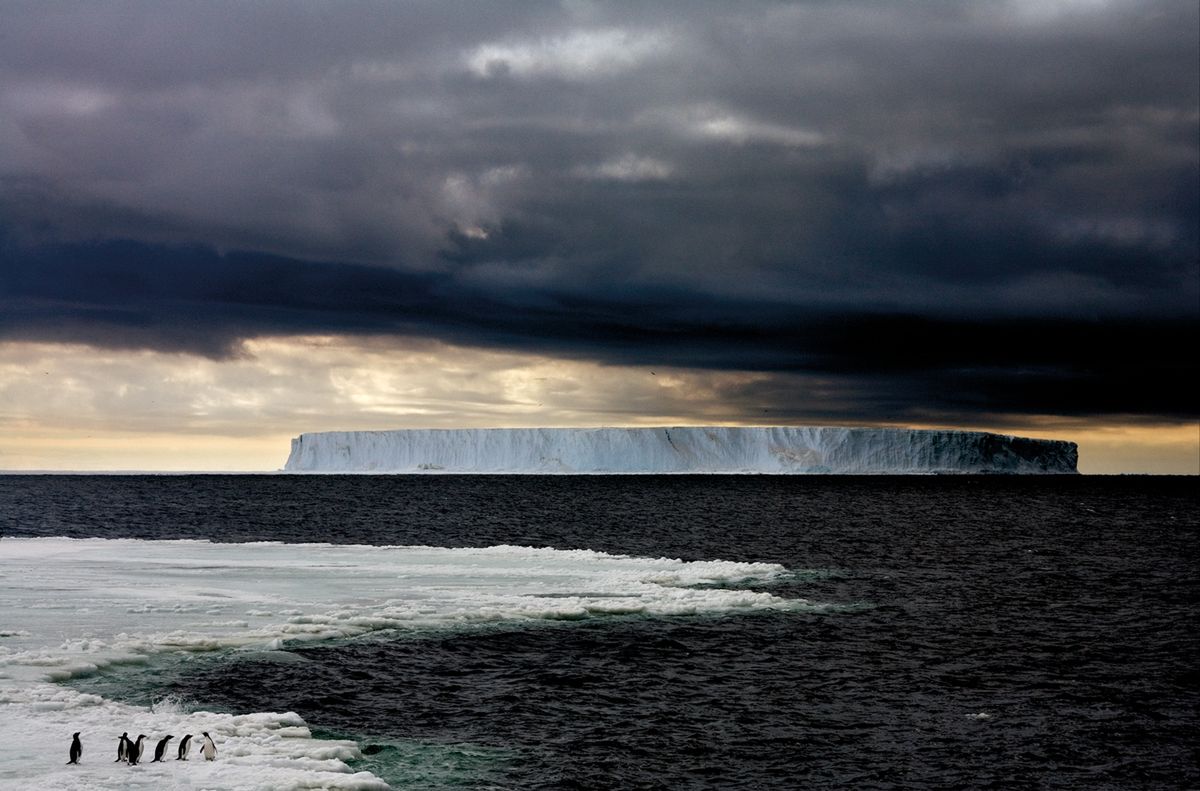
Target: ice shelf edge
[[776, 450]]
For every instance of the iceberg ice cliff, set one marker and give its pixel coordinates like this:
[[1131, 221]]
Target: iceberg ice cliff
[[777, 450]]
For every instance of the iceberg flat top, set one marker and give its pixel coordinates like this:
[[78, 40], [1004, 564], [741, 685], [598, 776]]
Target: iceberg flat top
[[778, 450]]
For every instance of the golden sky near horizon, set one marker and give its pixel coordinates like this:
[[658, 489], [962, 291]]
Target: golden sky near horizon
[[73, 407]]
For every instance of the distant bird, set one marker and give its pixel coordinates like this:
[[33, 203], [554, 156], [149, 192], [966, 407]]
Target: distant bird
[[208, 748], [185, 744], [76, 749], [161, 749], [123, 748], [135, 749]]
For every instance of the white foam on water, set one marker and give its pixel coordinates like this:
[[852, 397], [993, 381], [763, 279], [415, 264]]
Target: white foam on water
[[69, 607]]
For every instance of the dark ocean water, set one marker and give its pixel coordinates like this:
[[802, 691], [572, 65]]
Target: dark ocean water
[[1017, 633]]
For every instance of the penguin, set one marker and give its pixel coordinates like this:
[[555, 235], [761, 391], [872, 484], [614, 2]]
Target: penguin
[[161, 749], [185, 744], [123, 748], [208, 748], [135, 749], [76, 749]]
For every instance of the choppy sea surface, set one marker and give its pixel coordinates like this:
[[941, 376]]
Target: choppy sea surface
[[964, 632]]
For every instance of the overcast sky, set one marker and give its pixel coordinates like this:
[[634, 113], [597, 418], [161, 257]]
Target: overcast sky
[[375, 215]]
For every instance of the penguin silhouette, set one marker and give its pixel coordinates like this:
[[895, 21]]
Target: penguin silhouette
[[135, 749], [76, 749], [122, 748], [161, 749], [185, 744], [208, 748]]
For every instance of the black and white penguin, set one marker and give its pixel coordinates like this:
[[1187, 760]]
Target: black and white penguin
[[208, 748], [135, 749], [76, 749], [123, 748], [161, 749], [185, 744]]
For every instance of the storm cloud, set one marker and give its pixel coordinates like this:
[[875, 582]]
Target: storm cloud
[[935, 211]]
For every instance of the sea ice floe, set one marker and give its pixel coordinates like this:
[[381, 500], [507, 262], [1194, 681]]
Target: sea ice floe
[[126, 600]]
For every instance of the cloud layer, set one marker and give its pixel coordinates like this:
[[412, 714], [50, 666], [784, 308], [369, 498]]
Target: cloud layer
[[949, 211]]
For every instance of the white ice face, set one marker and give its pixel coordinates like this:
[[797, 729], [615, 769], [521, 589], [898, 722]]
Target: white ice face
[[70, 606], [776, 450]]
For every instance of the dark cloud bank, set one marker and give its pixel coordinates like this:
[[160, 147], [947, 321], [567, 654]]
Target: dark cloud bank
[[930, 212]]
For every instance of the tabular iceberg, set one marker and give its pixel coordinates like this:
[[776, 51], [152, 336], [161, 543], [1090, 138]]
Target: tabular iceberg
[[777, 450]]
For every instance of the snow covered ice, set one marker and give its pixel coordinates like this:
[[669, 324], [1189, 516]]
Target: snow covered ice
[[774, 450], [71, 606]]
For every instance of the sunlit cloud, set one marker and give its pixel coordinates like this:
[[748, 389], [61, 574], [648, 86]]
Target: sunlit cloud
[[474, 201], [76, 407], [580, 54], [713, 122], [739, 129], [55, 398], [629, 167]]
